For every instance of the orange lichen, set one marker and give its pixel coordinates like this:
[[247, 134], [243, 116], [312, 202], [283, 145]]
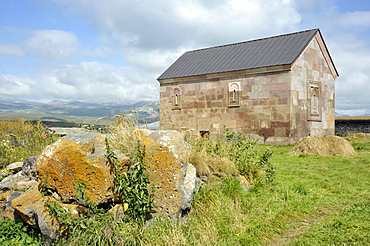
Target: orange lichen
[[164, 172], [71, 166]]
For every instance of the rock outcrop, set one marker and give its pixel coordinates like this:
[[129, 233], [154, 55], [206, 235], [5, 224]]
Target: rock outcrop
[[74, 172], [31, 206], [167, 159], [76, 165]]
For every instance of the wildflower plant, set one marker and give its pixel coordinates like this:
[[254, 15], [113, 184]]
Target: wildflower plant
[[20, 139]]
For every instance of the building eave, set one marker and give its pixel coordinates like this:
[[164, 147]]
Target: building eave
[[246, 72]]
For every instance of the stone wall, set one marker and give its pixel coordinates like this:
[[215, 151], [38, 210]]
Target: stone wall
[[343, 127], [313, 77], [263, 108]]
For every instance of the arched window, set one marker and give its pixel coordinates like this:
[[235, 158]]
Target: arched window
[[234, 94], [177, 98]]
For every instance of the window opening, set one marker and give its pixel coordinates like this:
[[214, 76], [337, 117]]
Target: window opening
[[234, 94], [177, 98]]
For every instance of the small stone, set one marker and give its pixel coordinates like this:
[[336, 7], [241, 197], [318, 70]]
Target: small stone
[[29, 167], [15, 167]]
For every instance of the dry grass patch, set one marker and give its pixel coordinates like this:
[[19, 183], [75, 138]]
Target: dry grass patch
[[125, 137], [324, 146], [207, 165]]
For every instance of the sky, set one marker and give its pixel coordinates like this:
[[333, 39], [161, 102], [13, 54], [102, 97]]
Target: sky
[[114, 50]]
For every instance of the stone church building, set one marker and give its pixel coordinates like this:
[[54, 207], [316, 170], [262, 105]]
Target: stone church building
[[279, 89]]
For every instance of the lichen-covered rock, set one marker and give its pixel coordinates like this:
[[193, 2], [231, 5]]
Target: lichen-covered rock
[[166, 158], [76, 168], [6, 210], [75, 210], [32, 209]]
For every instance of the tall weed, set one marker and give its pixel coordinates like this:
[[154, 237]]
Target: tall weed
[[131, 187]]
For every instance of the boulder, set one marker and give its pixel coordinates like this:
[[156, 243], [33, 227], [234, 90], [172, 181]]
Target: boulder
[[74, 210], [12, 187], [20, 176], [188, 186], [10, 169], [167, 160], [31, 206], [76, 168]]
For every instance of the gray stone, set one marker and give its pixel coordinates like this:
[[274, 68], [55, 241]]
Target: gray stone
[[11, 182], [29, 167], [188, 186], [15, 167]]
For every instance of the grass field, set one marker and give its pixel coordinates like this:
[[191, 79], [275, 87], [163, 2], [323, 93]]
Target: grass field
[[78, 120], [313, 201], [352, 118]]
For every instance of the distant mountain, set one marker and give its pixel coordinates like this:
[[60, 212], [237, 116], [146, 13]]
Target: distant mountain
[[342, 115], [146, 111]]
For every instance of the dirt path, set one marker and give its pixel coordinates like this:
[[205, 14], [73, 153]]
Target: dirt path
[[300, 228]]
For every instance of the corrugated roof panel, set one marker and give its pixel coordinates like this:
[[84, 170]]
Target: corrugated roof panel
[[273, 51], [282, 57], [297, 44]]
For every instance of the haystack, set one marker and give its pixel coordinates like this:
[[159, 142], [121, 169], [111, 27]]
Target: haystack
[[324, 146]]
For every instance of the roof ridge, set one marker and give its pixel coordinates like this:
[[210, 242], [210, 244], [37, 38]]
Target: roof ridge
[[253, 40]]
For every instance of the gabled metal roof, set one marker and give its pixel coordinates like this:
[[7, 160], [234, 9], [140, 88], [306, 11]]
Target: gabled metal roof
[[266, 52]]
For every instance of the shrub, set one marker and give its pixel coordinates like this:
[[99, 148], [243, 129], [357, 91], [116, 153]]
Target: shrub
[[231, 154]]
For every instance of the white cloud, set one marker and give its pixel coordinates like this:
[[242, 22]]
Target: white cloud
[[167, 24], [152, 62], [358, 18], [10, 50], [14, 86], [152, 34], [55, 45], [94, 81]]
